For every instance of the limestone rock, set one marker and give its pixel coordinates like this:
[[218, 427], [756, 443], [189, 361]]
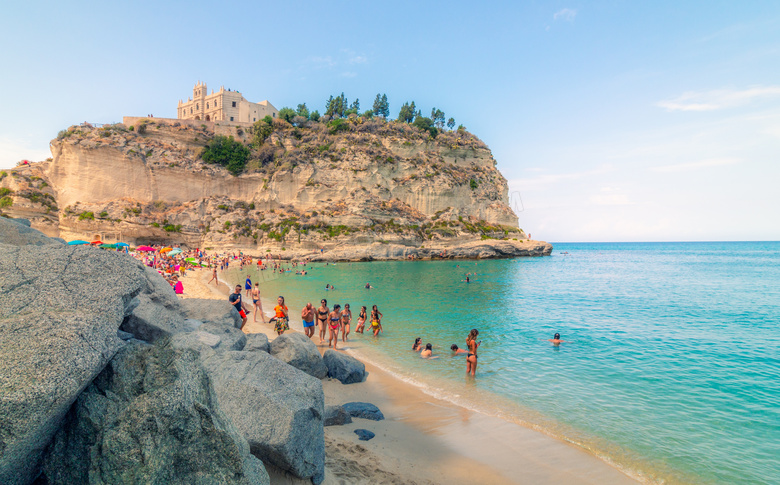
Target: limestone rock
[[343, 367], [364, 410], [300, 352], [257, 342], [336, 416], [150, 417], [214, 311], [60, 310]]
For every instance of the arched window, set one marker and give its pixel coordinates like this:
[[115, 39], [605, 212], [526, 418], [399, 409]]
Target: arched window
[[207, 118], [207, 106], [197, 106]]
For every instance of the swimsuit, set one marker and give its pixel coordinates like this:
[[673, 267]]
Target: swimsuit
[[323, 316], [308, 324], [254, 301], [332, 327]]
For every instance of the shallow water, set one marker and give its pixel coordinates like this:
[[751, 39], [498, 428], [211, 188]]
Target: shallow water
[[671, 366]]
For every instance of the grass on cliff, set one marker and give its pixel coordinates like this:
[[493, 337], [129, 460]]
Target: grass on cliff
[[227, 152]]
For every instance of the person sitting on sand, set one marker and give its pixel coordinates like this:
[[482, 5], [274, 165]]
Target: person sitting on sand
[[334, 322], [376, 320], [456, 350], [257, 303], [238, 303], [427, 352], [556, 340], [307, 315], [346, 317], [417, 344], [282, 316], [361, 320]]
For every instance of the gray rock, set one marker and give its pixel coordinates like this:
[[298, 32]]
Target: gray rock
[[17, 232], [257, 342], [150, 417], [336, 416], [60, 310], [364, 410], [191, 324], [343, 367], [278, 408], [157, 313], [124, 335], [300, 352], [214, 311], [230, 337], [364, 434], [24, 222]]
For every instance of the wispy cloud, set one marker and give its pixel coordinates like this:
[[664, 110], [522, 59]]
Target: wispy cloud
[[610, 196], [567, 14], [358, 60], [12, 151], [546, 180], [717, 99], [686, 167]]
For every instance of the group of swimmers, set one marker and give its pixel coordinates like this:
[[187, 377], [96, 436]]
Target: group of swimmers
[[471, 354], [338, 320]]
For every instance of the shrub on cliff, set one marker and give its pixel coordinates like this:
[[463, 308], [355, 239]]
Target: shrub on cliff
[[227, 152], [262, 129]]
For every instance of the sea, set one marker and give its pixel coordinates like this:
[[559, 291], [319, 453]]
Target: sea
[[670, 366]]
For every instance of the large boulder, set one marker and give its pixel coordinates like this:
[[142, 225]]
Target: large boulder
[[60, 310], [230, 338], [277, 408], [150, 417], [257, 342], [17, 232], [343, 367], [157, 312], [336, 416], [363, 410], [300, 352], [214, 311]]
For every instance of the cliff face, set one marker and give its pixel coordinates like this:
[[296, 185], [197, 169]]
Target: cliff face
[[307, 187]]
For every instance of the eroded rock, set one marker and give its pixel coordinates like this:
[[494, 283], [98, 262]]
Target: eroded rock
[[300, 352], [343, 367]]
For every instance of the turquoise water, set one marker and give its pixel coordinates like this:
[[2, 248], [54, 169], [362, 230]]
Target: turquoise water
[[671, 368]]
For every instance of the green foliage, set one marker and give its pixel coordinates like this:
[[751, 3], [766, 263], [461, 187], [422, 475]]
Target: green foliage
[[227, 152], [172, 228], [368, 114], [451, 123], [407, 113], [223, 207], [437, 116], [287, 114], [103, 215], [3, 174], [336, 106], [473, 184], [155, 224], [426, 124], [84, 216], [381, 108], [5, 191], [6, 202], [262, 129], [302, 111], [131, 128], [315, 115], [338, 125], [142, 128], [354, 108]]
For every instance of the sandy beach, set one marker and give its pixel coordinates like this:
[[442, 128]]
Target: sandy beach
[[427, 440]]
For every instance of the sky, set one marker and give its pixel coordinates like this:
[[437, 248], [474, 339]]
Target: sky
[[611, 120]]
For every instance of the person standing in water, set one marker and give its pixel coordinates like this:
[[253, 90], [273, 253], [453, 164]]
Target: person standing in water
[[346, 317], [256, 301], [334, 322], [322, 318], [361, 320], [556, 340], [471, 357], [376, 320], [307, 315]]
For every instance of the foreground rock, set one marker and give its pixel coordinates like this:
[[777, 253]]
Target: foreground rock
[[150, 417], [343, 367], [157, 313], [300, 352], [60, 310], [364, 434], [214, 311], [364, 410], [17, 232], [336, 416]]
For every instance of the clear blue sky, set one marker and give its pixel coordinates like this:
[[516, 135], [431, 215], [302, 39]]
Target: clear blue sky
[[613, 120]]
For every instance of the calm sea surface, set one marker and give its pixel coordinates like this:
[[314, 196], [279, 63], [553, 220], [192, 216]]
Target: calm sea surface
[[671, 366]]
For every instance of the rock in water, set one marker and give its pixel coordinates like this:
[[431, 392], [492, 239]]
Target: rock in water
[[150, 417], [364, 434], [364, 410], [343, 367], [336, 416], [60, 310], [277, 408], [214, 311], [300, 352]]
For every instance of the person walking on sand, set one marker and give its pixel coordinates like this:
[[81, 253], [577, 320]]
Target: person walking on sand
[[307, 315], [238, 304], [346, 317], [214, 277], [376, 320], [334, 322], [471, 357], [282, 316], [361, 320], [322, 318], [248, 285], [257, 303]]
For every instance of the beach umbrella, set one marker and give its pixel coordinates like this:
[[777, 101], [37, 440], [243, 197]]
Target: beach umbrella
[[174, 252], [78, 242], [144, 248], [191, 260], [121, 244], [108, 246], [96, 242], [165, 250]]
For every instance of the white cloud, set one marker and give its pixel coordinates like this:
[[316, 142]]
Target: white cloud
[[13, 151], [567, 14], [717, 99], [686, 167], [610, 196]]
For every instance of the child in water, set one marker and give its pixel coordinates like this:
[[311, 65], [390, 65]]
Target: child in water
[[427, 353], [456, 350]]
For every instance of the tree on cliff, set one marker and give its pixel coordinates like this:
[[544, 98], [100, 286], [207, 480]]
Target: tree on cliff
[[437, 116], [287, 114], [336, 106], [407, 113], [227, 152], [451, 123], [262, 130], [426, 124], [381, 108], [303, 111]]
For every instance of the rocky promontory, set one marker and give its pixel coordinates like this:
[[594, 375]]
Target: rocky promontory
[[355, 188]]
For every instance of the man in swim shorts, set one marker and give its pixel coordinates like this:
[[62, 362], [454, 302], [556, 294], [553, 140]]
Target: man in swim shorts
[[307, 315], [238, 304], [248, 285]]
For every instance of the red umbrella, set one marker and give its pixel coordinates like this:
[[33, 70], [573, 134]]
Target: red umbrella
[[96, 242], [145, 248]]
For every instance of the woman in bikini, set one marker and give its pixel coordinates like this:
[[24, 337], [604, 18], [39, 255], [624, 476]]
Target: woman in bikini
[[376, 320], [333, 324], [471, 357], [346, 317], [361, 320], [417, 344], [322, 318]]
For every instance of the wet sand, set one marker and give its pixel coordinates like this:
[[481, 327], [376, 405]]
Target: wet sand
[[424, 439]]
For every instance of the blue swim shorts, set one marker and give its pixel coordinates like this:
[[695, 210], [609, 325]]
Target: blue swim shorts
[[308, 324]]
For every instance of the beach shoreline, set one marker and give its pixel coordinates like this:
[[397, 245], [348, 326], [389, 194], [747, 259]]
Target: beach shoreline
[[425, 439]]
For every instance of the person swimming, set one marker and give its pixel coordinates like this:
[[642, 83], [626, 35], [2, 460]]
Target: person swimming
[[556, 340], [456, 350], [417, 344], [427, 353]]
